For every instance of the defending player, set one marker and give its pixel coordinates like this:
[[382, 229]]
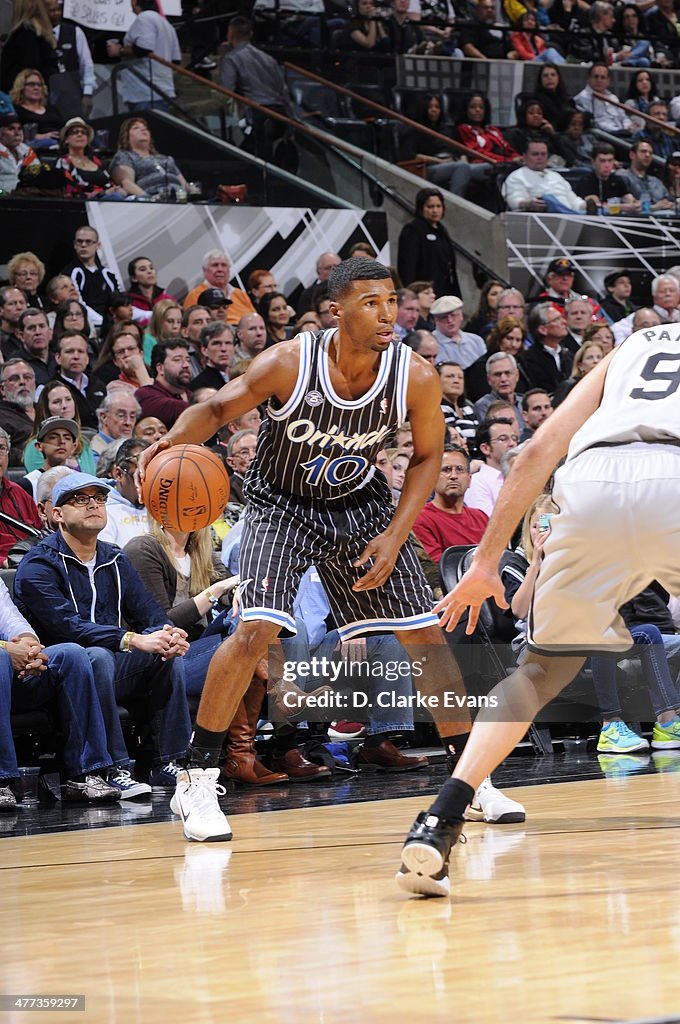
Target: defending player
[[314, 497], [617, 530]]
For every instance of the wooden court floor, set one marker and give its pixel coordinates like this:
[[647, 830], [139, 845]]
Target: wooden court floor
[[573, 916]]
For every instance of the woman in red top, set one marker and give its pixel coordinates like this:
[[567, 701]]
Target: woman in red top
[[474, 131], [528, 44], [144, 291]]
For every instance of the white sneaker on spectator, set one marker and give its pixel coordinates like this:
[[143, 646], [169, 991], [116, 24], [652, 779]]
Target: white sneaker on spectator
[[195, 801], [492, 806]]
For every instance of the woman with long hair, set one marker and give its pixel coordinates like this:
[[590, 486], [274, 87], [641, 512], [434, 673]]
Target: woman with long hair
[[165, 325], [586, 359], [520, 569], [528, 44], [273, 308], [551, 92], [144, 290], [29, 96], [366, 28], [486, 310], [532, 126], [430, 115], [71, 315], [188, 581], [425, 248], [139, 168], [30, 44], [56, 400], [473, 129], [636, 50], [642, 88]]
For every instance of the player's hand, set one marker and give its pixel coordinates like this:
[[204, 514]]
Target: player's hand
[[145, 457], [476, 586], [382, 551]]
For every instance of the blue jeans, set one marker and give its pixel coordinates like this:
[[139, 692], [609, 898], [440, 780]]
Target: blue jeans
[[69, 678], [197, 658], [379, 649], [654, 658], [549, 56], [555, 205], [639, 55], [130, 678]]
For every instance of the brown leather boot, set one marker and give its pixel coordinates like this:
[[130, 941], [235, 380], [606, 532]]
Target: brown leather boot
[[299, 769], [241, 763]]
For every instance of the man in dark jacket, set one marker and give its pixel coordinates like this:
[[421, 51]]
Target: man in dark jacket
[[74, 587], [547, 363], [218, 349], [94, 281], [17, 405]]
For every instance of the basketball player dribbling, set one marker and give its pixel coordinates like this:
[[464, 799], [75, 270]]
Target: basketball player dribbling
[[314, 497], [617, 530]]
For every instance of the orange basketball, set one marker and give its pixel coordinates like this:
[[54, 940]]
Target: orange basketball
[[186, 487]]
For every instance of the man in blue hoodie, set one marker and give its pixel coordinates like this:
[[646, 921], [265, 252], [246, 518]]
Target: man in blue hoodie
[[74, 587]]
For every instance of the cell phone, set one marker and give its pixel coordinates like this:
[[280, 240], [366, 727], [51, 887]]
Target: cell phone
[[544, 520]]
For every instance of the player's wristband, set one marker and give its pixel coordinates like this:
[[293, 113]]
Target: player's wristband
[[3, 644]]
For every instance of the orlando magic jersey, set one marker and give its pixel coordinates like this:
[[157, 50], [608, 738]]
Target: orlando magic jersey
[[319, 445]]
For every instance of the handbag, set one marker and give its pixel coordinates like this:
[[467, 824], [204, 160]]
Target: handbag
[[232, 193]]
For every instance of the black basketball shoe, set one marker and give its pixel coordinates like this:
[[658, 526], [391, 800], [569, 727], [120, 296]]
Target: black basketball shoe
[[425, 855]]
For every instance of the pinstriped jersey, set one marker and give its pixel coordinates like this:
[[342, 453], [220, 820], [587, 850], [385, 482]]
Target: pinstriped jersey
[[640, 400], [319, 445]]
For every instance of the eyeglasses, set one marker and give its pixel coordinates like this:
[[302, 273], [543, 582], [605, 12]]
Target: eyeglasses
[[34, 82], [450, 470], [4, 450], [82, 500], [244, 452], [126, 351], [131, 417], [504, 438], [132, 467], [15, 378]]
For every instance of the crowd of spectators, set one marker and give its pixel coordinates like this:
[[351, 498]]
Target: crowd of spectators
[[92, 373]]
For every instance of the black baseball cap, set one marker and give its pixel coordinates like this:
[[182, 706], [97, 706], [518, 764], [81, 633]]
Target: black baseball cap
[[212, 298]]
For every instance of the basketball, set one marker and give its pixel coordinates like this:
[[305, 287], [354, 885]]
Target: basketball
[[186, 487]]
